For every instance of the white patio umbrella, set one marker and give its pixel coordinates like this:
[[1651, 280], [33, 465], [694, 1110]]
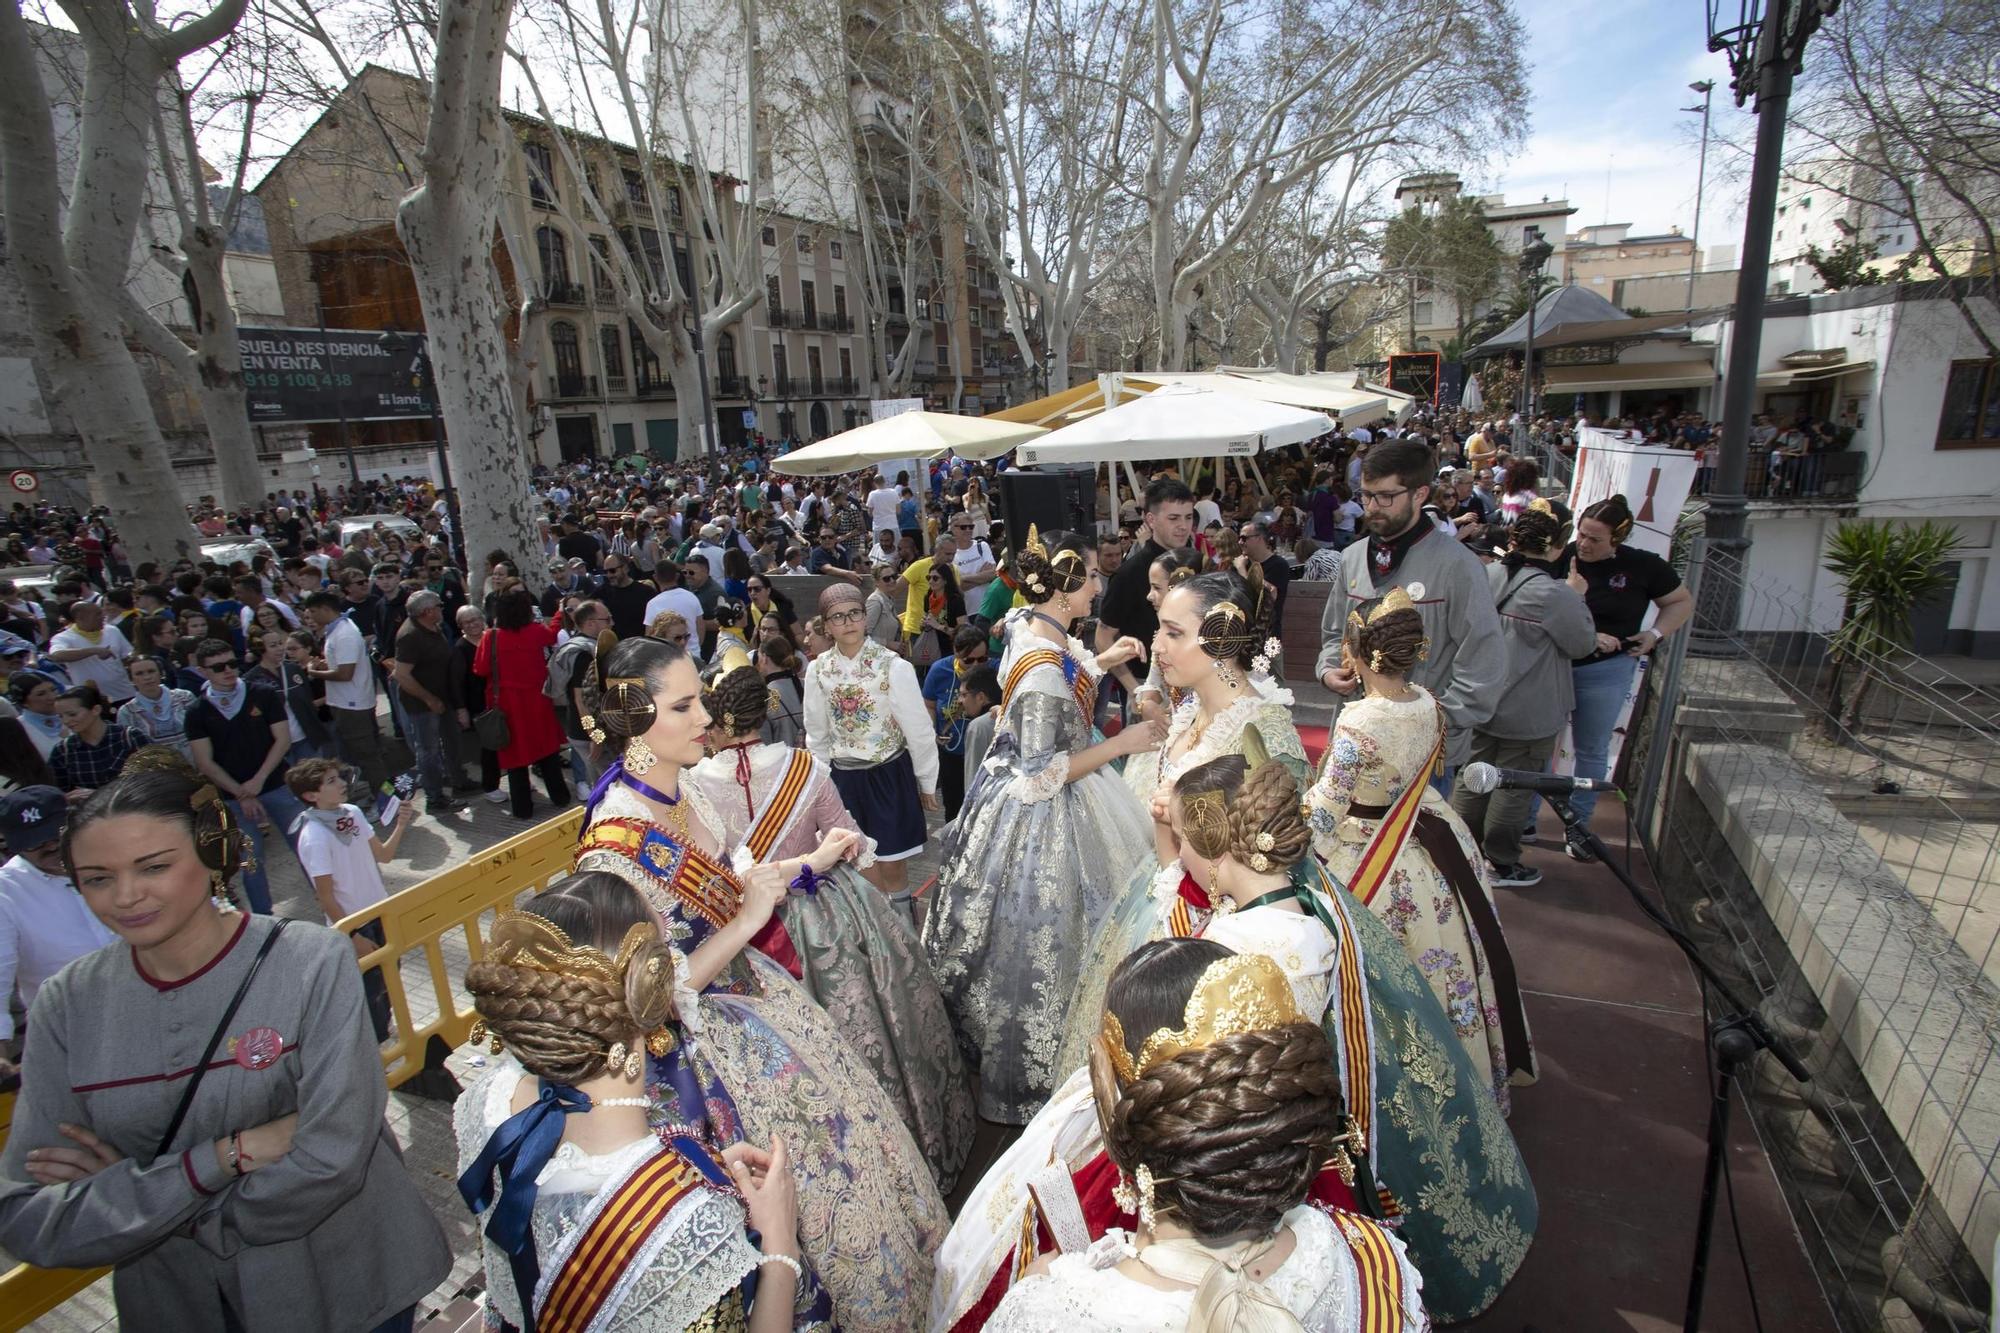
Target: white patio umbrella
[[1178, 421], [906, 435]]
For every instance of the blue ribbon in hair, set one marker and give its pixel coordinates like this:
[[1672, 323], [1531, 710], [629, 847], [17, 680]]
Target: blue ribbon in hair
[[516, 1153]]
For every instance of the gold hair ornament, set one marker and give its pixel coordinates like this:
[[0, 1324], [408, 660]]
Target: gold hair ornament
[[522, 939], [1234, 995], [1207, 822], [1031, 579]]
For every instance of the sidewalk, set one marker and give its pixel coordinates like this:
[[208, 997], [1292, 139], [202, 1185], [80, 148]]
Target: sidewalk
[[1615, 1132]]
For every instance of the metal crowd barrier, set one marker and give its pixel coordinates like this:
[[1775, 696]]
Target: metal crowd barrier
[[419, 918]]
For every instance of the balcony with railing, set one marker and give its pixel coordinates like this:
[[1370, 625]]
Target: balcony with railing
[[558, 291], [829, 323], [732, 386], [563, 387], [616, 384], [780, 317]]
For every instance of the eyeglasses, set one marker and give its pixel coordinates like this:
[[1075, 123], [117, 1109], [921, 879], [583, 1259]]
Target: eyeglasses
[[975, 661], [757, 587], [219, 668], [845, 617], [1383, 499]]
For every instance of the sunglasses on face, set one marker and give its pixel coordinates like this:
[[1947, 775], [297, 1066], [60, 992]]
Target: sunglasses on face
[[219, 668]]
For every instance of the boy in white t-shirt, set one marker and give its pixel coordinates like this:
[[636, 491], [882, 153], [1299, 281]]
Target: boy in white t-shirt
[[341, 855]]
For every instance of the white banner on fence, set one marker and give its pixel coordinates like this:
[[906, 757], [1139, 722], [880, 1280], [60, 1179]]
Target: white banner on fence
[[881, 409], [1654, 480]]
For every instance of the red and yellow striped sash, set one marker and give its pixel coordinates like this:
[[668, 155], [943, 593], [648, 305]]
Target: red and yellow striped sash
[[1381, 1275], [1379, 857], [1350, 991], [704, 887], [612, 1240], [776, 815], [1083, 687]]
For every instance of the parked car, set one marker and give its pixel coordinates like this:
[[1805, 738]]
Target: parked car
[[396, 523], [33, 580], [226, 551]]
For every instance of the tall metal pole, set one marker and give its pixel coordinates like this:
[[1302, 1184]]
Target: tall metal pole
[[1780, 39], [1706, 88], [1528, 360]]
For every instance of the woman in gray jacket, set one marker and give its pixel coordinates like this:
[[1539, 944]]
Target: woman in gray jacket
[[1543, 625], [201, 1103]]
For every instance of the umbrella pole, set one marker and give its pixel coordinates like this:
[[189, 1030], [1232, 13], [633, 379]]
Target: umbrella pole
[[1262, 487]]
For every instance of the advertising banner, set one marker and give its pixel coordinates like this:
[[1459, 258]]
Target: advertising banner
[[304, 375]]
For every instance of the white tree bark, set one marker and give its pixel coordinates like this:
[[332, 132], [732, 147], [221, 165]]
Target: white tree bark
[[73, 269], [447, 225]]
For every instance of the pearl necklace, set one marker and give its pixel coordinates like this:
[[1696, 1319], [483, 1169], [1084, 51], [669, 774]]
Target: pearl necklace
[[640, 1102]]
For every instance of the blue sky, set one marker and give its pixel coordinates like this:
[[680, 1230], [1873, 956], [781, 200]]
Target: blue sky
[[1606, 84]]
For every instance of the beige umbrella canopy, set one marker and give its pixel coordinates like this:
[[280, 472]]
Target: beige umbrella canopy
[[906, 435]]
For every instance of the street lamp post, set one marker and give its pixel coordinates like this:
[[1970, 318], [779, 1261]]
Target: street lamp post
[[1764, 53], [1706, 87], [1532, 260]]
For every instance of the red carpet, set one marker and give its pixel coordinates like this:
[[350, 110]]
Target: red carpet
[[1315, 742]]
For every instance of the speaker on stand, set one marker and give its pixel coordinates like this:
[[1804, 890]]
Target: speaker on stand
[[1049, 500]]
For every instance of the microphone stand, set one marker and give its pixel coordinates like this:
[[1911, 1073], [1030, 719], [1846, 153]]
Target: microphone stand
[[1738, 1034]]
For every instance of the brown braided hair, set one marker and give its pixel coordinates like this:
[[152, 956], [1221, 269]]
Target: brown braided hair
[[625, 711], [157, 781], [1392, 644], [1260, 801], [562, 1027], [740, 700], [1222, 635], [1064, 570], [1233, 1132]]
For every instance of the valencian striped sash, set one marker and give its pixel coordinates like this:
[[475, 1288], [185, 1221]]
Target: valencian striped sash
[[703, 887], [1357, 1026], [1080, 683], [1393, 833], [1381, 1275], [781, 807], [612, 1240]]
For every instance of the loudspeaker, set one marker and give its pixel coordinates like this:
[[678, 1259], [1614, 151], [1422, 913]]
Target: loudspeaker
[[1049, 500]]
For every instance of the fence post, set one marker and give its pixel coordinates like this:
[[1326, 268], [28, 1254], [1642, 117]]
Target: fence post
[[1665, 711]]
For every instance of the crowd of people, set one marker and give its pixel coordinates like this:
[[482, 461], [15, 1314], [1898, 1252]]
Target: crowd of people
[[1249, 1015]]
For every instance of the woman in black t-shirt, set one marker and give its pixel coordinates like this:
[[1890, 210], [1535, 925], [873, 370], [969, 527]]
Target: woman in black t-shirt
[[1619, 584]]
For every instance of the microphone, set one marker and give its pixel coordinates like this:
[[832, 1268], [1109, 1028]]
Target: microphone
[[1480, 779]]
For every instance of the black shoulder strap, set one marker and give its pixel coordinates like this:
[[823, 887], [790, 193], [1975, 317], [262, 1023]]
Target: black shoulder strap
[[215, 1037], [1518, 582]]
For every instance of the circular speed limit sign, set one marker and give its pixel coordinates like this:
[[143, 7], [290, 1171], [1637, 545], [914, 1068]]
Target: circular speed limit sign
[[24, 482]]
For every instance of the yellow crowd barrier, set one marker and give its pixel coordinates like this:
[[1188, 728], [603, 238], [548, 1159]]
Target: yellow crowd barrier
[[417, 919]]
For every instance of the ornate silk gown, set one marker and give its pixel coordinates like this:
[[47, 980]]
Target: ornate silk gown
[[859, 957], [1447, 1170], [764, 1060], [1379, 748], [1258, 726], [1030, 867]]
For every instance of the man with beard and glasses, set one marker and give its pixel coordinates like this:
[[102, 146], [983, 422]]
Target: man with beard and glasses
[[1466, 661]]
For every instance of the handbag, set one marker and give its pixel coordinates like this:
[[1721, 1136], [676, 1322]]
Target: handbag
[[491, 724], [215, 1037]]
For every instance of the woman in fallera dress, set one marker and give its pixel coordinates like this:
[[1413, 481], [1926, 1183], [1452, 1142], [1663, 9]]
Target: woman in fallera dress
[[1219, 1108], [1422, 1142], [764, 1061], [1213, 648], [1044, 841], [604, 1223], [1155, 697], [1405, 854], [859, 957]]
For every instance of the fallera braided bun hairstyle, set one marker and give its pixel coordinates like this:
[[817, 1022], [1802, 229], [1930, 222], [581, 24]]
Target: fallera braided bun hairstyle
[[1258, 811], [740, 700], [1234, 611], [1059, 565], [622, 707], [1392, 643], [1614, 513], [562, 1027], [1535, 532], [1233, 1132], [1178, 566], [159, 783]]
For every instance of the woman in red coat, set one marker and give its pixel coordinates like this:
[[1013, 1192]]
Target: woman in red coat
[[535, 738]]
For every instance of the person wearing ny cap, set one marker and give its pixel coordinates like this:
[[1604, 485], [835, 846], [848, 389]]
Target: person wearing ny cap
[[43, 922]]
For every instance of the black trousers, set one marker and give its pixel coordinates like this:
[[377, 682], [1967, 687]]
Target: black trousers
[[521, 797], [951, 781]]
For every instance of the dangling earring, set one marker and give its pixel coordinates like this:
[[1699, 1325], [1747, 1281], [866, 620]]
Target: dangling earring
[[639, 757], [1123, 1195], [1223, 673], [620, 1060], [1145, 1190]]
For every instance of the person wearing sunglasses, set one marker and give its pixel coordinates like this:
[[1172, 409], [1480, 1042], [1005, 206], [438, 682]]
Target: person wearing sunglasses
[[240, 741], [942, 685]]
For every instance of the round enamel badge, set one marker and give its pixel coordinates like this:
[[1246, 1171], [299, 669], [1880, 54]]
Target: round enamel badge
[[259, 1048]]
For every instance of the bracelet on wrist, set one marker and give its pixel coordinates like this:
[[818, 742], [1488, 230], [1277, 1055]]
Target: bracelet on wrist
[[798, 1269], [236, 1153]]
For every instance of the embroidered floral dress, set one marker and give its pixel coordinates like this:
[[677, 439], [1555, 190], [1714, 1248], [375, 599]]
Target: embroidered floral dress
[[1379, 747], [1258, 726], [1456, 1186], [763, 1059], [1030, 867], [860, 957]]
